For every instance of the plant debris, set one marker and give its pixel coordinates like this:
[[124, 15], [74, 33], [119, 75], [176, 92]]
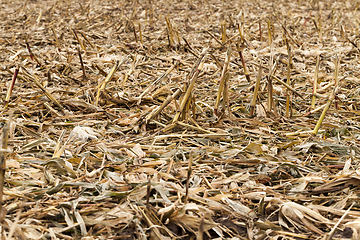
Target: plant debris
[[180, 119]]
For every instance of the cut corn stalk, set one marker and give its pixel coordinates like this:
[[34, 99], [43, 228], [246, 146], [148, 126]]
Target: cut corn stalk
[[35, 80], [271, 69], [322, 116], [81, 63], [102, 85], [32, 55], [315, 82], [256, 90], [74, 32], [163, 105], [331, 98], [131, 70], [194, 75], [3, 155], [223, 32], [288, 100], [8, 94], [56, 39], [170, 32], [157, 81], [222, 80], [240, 50], [188, 177]]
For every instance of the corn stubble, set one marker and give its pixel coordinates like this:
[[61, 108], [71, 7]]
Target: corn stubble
[[179, 120]]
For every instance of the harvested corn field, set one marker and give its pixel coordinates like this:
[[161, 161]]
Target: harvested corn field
[[179, 119]]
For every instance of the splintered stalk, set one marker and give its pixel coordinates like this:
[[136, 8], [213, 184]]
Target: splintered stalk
[[193, 76], [140, 34], [269, 32], [87, 40], [32, 55], [342, 31], [150, 12], [337, 65], [223, 32], [320, 29], [102, 85], [170, 32], [270, 86], [157, 81], [188, 177], [57, 150], [29, 49], [256, 90], [315, 82], [56, 39], [246, 70], [3, 156], [81, 62], [288, 100], [287, 86], [131, 70], [240, 50], [226, 94], [331, 98], [260, 33], [215, 38], [134, 31], [314, 110], [148, 190], [177, 35], [8, 94], [222, 80], [326, 108], [74, 32], [163, 105]]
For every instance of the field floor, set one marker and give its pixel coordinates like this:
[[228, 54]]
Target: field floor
[[180, 119]]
